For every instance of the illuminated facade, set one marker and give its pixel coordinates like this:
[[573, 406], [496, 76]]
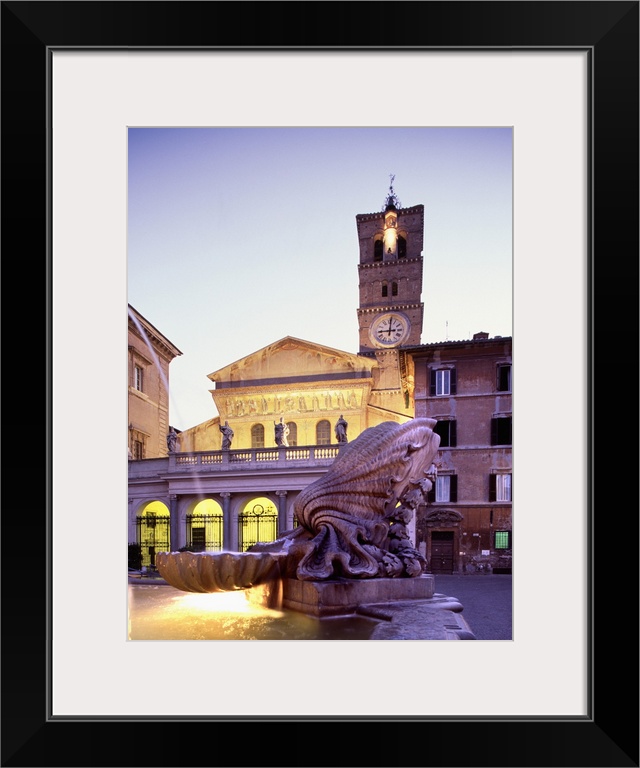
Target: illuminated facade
[[307, 385], [149, 354]]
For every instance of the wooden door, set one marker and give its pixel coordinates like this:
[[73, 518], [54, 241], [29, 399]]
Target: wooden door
[[442, 552]]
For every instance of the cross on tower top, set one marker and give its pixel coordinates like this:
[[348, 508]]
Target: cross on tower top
[[391, 200]]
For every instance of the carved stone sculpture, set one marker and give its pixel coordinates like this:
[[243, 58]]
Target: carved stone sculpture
[[281, 432], [227, 436], [352, 521], [223, 572], [341, 430], [172, 440]]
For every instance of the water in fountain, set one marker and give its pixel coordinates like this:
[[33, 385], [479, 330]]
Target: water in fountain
[[161, 612]]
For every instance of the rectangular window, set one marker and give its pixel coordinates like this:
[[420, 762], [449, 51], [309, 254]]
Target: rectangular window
[[502, 540], [503, 487], [137, 449], [447, 431], [442, 488], [446, 489], [501, 431], [137, 378], [500, 487], [503, 378], [443, 382]]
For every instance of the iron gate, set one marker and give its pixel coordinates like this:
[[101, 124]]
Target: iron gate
[[205, 532], [153, 535], [257, 524]]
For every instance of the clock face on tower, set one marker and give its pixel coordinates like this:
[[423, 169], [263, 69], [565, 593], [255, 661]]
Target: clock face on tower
[[389, 329]]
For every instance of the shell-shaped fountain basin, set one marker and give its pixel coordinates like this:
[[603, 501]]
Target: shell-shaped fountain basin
[[217, 571]]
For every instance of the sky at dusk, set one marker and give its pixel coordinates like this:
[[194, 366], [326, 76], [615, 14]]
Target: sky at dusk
[[238, 237]]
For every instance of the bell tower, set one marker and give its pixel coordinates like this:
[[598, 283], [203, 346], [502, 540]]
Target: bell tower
[[391, 312], [390, 275]]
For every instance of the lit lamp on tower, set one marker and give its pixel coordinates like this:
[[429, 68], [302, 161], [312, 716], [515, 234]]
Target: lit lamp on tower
[[390, 236]]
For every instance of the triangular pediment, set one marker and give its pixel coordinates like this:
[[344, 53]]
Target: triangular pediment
[[291, 357]]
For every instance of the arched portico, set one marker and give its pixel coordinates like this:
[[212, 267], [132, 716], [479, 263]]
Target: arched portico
[[151, 529], [245, 478], [256, 519]]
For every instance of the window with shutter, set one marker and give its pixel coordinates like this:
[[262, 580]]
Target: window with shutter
[[442, 488], [500, 486], [501, 430], [445, 490], [503, 378], [442, 382], [453, 488], [447, 431], [503, 487]]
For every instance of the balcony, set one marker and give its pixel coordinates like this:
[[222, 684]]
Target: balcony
[[251, 459]]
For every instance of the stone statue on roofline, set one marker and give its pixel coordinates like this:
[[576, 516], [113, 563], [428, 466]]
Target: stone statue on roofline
[[281, 432], [341, 430], [227, 436], [172, 440]]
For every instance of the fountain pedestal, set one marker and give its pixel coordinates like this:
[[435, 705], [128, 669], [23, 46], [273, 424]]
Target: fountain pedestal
[[334, 597], [406, 609]]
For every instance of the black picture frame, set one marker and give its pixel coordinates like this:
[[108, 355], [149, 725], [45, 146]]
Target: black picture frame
[[608, 736]]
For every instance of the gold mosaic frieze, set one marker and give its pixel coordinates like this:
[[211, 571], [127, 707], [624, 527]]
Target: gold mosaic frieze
[[265, 404]]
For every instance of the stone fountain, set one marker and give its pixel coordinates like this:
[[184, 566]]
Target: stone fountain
[[351, 552]]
